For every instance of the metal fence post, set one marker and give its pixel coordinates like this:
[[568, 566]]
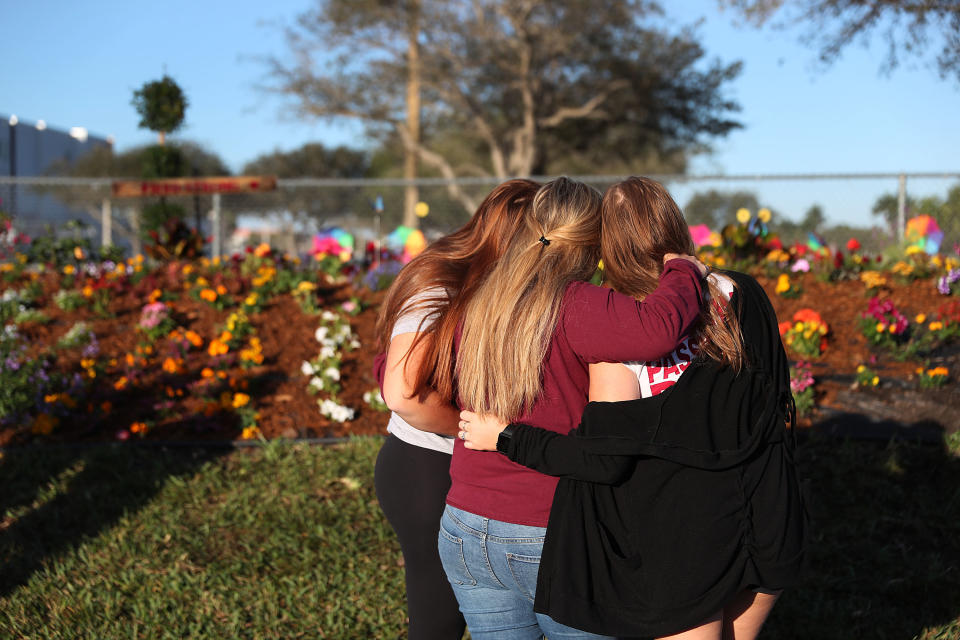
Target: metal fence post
[[216, 249], [106, 223], [901, 207], [137, 241]]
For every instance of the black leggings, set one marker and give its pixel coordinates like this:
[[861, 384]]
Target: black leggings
[[412, 484]]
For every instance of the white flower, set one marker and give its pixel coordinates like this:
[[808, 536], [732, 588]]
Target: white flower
[[354, 344], [367, 396], [328, 316], [336, 411], [327, 352], [332, 373], [321, 334], [306, 368], [316, 381]]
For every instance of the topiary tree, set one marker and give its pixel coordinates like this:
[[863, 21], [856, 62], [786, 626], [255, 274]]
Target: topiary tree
[[162, 106]]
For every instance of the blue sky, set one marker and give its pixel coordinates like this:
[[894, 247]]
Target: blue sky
[[77, 64]]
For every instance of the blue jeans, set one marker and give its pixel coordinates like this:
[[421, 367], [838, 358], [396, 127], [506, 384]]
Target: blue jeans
[[492, 566]]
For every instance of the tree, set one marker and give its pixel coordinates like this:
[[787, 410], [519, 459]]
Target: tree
[[162, 106], [909, 27], [717, 208], [813, 219], [536, 85], [313, 160]]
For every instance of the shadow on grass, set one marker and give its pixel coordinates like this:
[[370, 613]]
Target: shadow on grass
[[55, 497], [884, 552]]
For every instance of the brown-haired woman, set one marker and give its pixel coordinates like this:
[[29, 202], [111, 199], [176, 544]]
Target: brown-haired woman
[[415, 328], [529, 333], [681, 489]]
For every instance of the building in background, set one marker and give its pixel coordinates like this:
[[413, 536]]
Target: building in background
[[29, 150]]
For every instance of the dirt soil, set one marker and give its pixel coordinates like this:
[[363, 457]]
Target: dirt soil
[[279, 389]]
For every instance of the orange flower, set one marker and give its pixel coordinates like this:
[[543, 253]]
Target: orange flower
[[87, 291], [207, 372], [209, 295], [240, 400], [121, 383], [221, 290], [155, 295], [172, 365], [138, 427], [194, 338], [106, 406], [218, 348], [807, 315], [785, 326]]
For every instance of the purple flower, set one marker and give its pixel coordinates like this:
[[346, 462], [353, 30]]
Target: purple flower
[[12, 364], [943, 286]]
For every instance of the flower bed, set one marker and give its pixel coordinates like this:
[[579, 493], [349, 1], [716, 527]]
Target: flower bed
[[260, 345]]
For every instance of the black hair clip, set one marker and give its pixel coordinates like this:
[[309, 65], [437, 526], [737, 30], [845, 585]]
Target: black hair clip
[[545, 242]]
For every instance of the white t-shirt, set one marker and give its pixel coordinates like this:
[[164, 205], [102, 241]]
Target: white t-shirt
[[658, 375], [409, 322]]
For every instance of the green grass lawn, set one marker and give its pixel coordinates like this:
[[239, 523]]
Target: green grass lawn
[[287, 541]]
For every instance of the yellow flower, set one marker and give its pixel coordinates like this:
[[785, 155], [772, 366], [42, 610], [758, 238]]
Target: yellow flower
[[187, 269], [764, 215], [881, 327], [309, 286], [861, 369], [78, 253], [913, 250], [892, 328], [921, 318], [262, 249], [216, 261], [240, 400], [875, 381], [935, 326], [743, 215], [720, 261], [783, 283], [251, 300], [6, 266], [249, 433]]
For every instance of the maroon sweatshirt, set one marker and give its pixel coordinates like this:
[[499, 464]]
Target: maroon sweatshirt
[[595, 325]]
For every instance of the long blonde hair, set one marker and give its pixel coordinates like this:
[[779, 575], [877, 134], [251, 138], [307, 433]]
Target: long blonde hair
[[641, 223], [509, 322], [457, 263]]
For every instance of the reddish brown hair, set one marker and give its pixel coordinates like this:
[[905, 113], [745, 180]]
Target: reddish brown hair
[[458, 262], [641, 223]]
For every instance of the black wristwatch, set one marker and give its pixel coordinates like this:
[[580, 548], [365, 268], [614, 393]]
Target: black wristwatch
[[503, 440]]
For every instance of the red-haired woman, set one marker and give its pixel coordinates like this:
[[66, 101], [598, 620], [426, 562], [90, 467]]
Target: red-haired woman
[[416, 328], [678, 513]]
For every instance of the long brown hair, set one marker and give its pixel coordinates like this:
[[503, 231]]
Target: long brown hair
[[457, 263], [509, 322], [641, 223]]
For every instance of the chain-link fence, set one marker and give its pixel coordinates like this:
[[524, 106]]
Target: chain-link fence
[[289, 217]]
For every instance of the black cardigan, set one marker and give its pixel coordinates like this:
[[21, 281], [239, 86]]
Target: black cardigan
[[670, 505]]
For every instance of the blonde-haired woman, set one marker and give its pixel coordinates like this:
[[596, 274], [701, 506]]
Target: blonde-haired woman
[[679, 482], [528, 337]]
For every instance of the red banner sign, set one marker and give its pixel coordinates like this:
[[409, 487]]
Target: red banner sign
[[193, 186]]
